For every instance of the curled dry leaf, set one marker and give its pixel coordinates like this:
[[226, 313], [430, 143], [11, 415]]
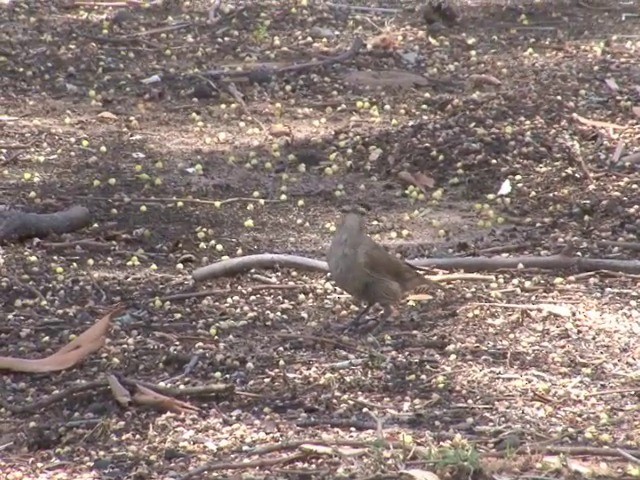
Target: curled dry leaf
[[384, 41], [424, 181], [146, 396], [418, 179], [279, 130], [482, 79], [612, 85], [121, 394], [418, 474], [71, 354], [636, 111], [385, 79], [107, 117], [317, 449]]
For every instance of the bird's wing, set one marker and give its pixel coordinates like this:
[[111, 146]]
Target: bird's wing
[[380, 263]]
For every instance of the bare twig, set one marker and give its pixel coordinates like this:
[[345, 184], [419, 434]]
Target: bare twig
[[559, 310], [611, 392], [168, 28], [597, 123], [618, 152], [628, 456], [356, 46], [238, 265], [358, 8], [266, 462]]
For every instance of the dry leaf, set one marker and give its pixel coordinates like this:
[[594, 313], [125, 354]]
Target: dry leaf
[[418, 474], [319, 449], [121, 394], [406, 177], [107, 117], [280, 130], [146, 396], [424, 181], [351, 452], [385, 78], [420, 180], [618, 152], [579, 467], [384, 41], [71, 354], [611, 83], [636, 111], [479, 79]]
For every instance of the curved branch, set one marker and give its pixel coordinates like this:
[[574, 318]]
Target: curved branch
[[552, 262], [234, 266]]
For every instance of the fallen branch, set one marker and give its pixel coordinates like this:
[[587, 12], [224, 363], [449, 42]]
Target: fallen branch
[[358, 8], [266, 462], [552, 262], [234, 266], [16, 225], [262, 72], [93, 386], [558, 310]]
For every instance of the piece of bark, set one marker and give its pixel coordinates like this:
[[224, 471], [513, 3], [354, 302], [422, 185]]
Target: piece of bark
[[17, 225]]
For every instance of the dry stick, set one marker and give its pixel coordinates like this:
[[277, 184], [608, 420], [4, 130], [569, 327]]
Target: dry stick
[[79, 243], [208, 293], [504, 248], [358, 8], [552, 262], [31, 288], [618, 152], [558, 310], [597, 123], [611, 392], [267, 462], [233, 266], [168, 28], [233, 90], [628, 456], [213, 11], [317, 339], [356, 46], [238, 265], [98, 384], [183, 200], [635, 246]]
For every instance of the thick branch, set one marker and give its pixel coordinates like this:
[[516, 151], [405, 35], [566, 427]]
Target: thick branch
[[16, 225], [238, 265], [552, 262], [234, 266]]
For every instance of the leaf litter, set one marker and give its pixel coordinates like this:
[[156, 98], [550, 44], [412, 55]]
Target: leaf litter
[[450, 382]]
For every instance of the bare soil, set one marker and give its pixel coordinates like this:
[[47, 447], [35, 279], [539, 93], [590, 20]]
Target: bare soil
[[457, 385]]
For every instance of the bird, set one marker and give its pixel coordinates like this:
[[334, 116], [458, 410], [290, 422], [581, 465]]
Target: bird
[[365, 270]]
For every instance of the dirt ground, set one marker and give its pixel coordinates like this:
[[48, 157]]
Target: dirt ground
[[477, 382]]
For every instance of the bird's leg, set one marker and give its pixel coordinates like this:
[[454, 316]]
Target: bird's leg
[[386, 313], [356, 321]]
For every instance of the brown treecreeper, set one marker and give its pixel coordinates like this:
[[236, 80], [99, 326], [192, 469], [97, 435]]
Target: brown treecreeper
[[367, 271]]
